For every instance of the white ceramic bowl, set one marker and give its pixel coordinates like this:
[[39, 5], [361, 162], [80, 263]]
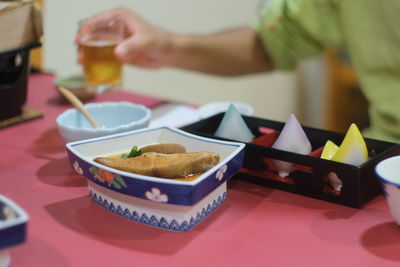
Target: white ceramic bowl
[[113, 117], [388, 172], [164, 203]]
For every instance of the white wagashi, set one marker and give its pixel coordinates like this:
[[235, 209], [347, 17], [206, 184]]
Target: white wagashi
[[293, 139], [234, 127]]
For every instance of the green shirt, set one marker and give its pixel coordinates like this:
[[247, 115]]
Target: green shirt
[[292, 30]]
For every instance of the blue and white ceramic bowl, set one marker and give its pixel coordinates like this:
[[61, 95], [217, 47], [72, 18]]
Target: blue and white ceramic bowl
[[113, 117], [13, 221], [164, 203], [388, 172]]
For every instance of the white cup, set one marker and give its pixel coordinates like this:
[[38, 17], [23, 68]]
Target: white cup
[[388, 171]]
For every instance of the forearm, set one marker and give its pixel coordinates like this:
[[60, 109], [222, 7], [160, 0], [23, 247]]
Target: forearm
[[234, 52]]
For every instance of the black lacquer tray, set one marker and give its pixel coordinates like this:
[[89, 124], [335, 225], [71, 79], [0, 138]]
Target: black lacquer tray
[[309, 176]]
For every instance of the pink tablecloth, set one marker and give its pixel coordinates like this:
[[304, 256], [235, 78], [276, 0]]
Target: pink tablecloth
[[257, 226]]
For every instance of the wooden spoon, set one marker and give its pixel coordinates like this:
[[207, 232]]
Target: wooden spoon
[[79, 105]]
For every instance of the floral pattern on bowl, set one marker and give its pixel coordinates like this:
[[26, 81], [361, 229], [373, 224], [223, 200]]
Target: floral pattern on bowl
[[109, 178]]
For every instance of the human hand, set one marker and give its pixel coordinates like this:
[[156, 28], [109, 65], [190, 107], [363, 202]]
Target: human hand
[[233, 52], [144, 45]]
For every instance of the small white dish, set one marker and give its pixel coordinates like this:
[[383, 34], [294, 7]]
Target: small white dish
[[213, 108], [76, 84], [113, 117], [153, 196], [388, 171]]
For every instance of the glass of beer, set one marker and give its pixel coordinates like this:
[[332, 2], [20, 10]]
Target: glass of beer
[[102, 69]]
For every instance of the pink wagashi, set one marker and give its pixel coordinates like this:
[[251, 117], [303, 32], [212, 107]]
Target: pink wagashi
[[293, 139]]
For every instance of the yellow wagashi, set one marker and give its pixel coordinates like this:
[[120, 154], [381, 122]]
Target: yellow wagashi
[[353, 149], [329, 150]]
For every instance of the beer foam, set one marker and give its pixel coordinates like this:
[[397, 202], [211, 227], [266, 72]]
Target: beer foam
[[98, 43]]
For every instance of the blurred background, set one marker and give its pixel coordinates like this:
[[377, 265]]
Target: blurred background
[[322, 93]]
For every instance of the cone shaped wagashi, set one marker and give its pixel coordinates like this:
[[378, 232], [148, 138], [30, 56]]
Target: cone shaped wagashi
[[293, 139], [234, 127], [329, 150], [353, 149]]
